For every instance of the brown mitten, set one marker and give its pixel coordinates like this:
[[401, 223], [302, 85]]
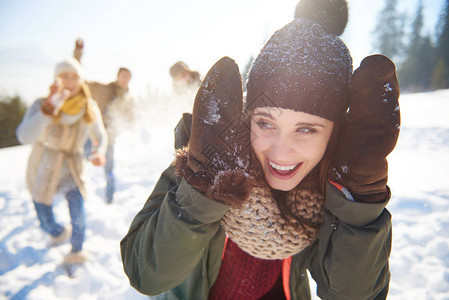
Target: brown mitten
[[370, 131], [215, 161]]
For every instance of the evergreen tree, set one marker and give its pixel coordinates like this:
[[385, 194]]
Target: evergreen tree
[[417, 70], [440, 77], [417, 26], [426, 63], [12, 110], [389, 31]]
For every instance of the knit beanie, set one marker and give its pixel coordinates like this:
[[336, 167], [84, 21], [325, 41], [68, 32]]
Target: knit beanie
[[69, 65], [305, 66]]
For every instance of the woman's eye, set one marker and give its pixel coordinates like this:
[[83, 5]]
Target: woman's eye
[[306, 130], [264, 125]]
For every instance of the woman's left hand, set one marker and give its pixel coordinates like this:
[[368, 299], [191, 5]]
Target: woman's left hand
[[370, 132], [97, 159]]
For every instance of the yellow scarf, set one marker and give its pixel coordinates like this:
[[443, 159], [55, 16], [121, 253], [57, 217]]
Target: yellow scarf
[[75, 104]]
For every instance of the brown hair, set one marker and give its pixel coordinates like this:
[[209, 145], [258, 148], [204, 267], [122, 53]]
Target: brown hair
[[123, 69], [177, 68]]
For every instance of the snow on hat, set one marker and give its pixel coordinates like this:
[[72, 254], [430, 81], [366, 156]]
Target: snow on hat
[[69, 65], [305, 66]]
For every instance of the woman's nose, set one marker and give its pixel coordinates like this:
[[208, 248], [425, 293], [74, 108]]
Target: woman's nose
[[282, 148]]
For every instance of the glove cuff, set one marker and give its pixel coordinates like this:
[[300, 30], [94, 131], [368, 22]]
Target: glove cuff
[[231, 187], [372, 197]]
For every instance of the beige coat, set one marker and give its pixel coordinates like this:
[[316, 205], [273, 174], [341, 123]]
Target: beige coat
[[56, 162], [102, 93]]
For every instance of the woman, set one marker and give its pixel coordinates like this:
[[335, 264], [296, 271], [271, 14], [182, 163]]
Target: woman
[[296, 182], [58, 128]]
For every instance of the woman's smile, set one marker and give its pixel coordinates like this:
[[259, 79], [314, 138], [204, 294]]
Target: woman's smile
[[283, 172]]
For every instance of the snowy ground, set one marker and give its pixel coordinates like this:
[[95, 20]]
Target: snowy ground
[[419, 173]]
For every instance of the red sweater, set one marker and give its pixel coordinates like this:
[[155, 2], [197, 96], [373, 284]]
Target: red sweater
[[245, 277]]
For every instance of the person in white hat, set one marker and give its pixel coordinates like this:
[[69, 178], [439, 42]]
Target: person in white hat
[[58, 127]]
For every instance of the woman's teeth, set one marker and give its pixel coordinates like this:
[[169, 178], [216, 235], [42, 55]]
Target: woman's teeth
[[282, 168]]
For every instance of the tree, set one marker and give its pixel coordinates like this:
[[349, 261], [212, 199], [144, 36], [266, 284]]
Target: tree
[[417, 70], [389, 31], [441, 74], [439, 77], [12, 110]]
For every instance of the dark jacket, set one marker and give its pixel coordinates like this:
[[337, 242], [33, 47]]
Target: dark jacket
[[175, 244]]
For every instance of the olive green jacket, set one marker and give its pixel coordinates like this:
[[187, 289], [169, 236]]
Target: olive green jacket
[[175, 243]]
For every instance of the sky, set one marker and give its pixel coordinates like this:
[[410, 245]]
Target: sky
[[149, 36]]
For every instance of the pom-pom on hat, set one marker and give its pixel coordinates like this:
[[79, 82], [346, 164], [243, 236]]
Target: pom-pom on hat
[[69, 65], [305, 66]]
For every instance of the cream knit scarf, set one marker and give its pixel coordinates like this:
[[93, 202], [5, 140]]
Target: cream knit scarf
[[259, 228]]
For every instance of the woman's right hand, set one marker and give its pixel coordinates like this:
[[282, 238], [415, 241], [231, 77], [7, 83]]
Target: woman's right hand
[[215, 162], [55, 99], [97, 159]]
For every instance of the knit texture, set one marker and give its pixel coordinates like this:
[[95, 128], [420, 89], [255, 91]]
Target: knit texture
[[305, 66], [243, 276], [259, 228], [301, 68]]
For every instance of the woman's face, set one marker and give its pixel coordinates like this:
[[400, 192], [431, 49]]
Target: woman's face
[[71, 82], [288, 144]]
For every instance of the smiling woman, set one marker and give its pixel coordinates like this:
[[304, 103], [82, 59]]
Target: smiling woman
[[295, 180], [58, 127]]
